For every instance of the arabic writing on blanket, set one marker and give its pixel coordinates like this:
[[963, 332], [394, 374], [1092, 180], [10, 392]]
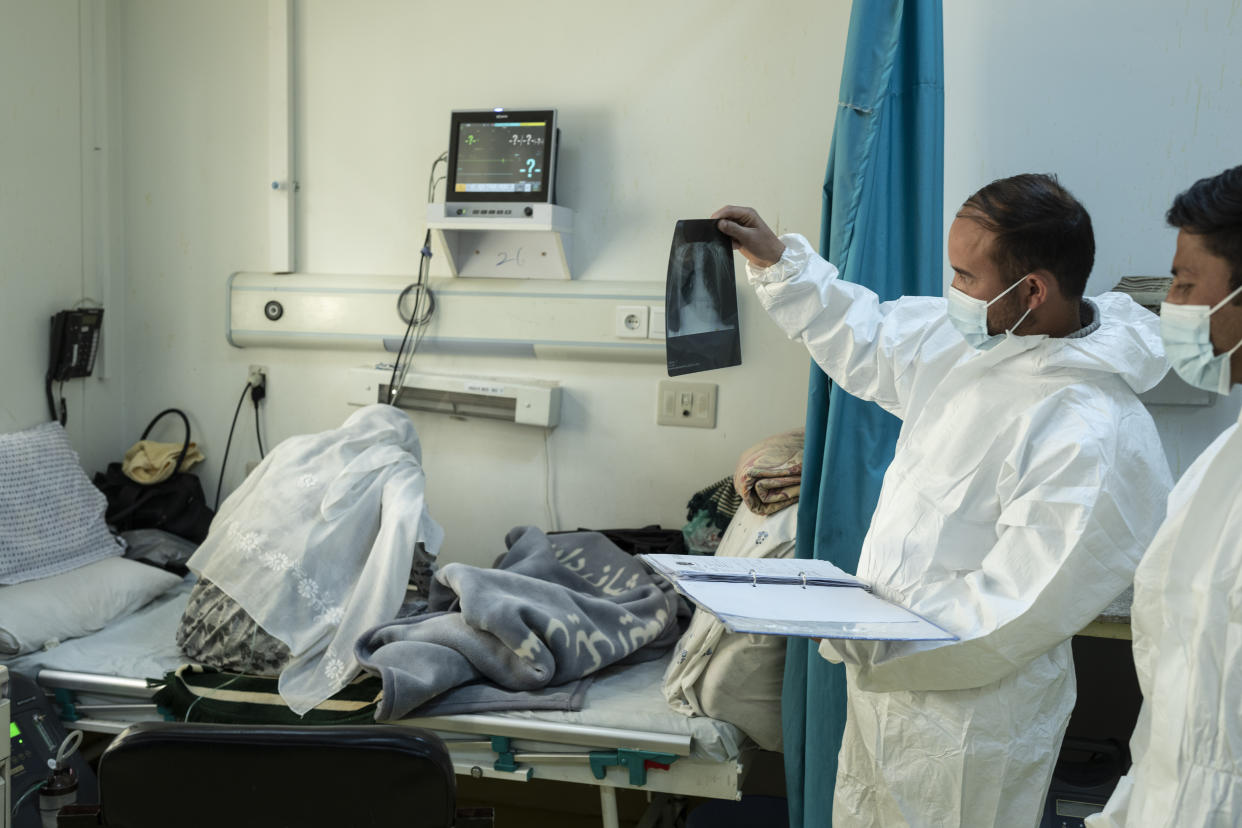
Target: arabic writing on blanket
[[551, 611]]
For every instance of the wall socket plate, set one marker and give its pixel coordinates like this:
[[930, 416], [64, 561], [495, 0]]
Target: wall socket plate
[[257, 375], [631, 321], [691, 404]]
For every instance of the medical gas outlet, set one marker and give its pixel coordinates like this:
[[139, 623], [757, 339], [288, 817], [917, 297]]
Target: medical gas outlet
[[691, 404]]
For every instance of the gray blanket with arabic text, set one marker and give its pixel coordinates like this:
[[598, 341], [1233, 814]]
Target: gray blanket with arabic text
[[551, 611]]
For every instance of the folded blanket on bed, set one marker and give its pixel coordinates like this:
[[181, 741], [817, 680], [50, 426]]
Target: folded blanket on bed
[[550, 612], [769, 473]]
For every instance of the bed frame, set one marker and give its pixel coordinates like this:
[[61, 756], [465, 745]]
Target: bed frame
[[488, 746]]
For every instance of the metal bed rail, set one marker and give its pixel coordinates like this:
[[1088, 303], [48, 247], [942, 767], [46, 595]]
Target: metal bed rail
[[513, 749]]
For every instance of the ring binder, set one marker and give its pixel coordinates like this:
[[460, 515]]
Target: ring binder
[[803, 597]]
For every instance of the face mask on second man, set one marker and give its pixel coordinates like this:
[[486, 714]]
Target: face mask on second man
[[970, 316], [1187, 334]]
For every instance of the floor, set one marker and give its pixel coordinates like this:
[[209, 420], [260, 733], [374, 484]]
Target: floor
[[541, 804]]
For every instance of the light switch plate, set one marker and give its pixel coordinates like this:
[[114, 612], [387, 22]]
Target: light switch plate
[[691, 404], [655, 329]]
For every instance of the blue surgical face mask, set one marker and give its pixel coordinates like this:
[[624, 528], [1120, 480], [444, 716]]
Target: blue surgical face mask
[[970, 316], [1187, 334]]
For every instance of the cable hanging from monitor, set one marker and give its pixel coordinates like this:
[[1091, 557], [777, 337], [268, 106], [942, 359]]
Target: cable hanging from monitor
[[424, 301]]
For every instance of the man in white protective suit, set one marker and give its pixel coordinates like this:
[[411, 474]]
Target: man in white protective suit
[[1187, 617], [1026, 482]]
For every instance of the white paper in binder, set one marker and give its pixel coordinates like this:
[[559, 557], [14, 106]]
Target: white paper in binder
[[791, 597]]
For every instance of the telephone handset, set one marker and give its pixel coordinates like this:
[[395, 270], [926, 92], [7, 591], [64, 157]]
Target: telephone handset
[[74, 346]]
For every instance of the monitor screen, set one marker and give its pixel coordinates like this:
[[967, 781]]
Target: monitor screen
[[502, 156]]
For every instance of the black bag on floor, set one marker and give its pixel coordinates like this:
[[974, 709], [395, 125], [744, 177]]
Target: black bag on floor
[[176, 504], [645, 541]]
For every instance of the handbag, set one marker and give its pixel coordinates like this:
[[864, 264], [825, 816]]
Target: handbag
[[176, 504], [649, 540]]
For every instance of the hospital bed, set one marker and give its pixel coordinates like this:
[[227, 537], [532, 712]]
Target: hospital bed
[[624, 737]]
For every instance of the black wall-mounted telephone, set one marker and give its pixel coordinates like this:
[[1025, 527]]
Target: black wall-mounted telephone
[[74, 345]]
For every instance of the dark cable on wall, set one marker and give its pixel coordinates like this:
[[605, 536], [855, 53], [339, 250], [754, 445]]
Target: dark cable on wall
[[51, 400], [229, 444], [61, 415], [418, 318], [422, 294], [257, 436], [257, 394]]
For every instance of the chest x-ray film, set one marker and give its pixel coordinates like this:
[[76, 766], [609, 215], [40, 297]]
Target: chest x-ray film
[[700, 300]]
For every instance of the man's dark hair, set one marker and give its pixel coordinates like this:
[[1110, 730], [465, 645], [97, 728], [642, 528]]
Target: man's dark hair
[[1038, 226], [1212, 209]]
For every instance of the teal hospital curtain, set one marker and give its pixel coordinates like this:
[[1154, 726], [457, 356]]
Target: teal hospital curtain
[[882, 227]]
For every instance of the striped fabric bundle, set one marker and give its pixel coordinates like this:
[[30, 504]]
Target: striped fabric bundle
[[192, 693], [718, 500]]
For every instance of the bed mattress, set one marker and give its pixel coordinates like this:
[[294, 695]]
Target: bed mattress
[[142, 646]]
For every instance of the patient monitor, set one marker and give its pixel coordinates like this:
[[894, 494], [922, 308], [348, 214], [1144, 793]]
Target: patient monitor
[[501, 162], [500, 217]]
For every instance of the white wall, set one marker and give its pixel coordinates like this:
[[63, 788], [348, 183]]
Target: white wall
[[55, 250], [1128, 101], [668, 110]]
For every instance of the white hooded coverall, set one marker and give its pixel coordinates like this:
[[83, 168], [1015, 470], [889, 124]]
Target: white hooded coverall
[[317, 542], [1187, 619], [1027, 481]]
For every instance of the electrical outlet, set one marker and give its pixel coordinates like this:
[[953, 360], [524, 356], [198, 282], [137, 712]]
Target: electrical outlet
[[257, 376], [690, 404], [631, 321]]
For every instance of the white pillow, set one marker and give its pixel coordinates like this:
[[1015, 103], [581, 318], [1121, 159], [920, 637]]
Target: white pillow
[[734, 677], [82, 601], [51, 516]]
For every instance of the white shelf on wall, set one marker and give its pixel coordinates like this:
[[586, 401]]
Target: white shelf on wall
[[505, 246]]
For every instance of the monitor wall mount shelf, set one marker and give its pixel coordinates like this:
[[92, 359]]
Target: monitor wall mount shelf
[[504, 240]]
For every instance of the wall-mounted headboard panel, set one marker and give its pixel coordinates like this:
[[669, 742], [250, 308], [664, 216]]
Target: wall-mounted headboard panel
[[582, 319]]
